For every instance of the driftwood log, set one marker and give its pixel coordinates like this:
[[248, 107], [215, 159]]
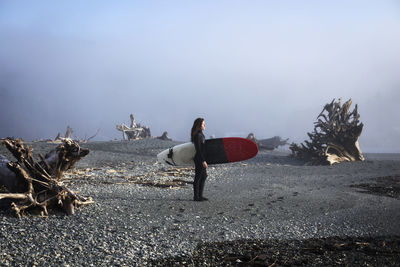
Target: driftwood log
[[269, 143], [135, 131], [39, 184], [335, 136], [165, 137], [68, 135]]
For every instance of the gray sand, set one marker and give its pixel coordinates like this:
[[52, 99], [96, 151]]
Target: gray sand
[[271, 196]]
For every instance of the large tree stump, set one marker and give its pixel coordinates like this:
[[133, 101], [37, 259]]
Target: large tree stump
[[135, 131], [335, 136], [39, 184]]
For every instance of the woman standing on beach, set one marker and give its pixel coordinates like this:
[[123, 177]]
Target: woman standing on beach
[[198, 139]]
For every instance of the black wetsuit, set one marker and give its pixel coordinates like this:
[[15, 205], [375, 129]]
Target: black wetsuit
[[200, 172]]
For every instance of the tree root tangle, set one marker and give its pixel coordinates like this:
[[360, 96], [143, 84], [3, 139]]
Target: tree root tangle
[[335, 136], [39, 184]]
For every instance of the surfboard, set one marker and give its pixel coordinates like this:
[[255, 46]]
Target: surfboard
[[218, 151]]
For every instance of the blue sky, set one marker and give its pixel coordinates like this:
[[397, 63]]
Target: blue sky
[[266, 67]]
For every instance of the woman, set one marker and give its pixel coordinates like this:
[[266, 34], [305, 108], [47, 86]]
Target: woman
[[198, 139]]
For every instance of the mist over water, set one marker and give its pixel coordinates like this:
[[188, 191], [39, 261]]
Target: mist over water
[[259, 66]]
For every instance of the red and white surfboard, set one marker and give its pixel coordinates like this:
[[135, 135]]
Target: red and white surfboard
[[219, 150]]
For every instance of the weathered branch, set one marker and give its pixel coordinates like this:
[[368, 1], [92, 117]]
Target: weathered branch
[[93, 136], [68, 135], [13, 196]]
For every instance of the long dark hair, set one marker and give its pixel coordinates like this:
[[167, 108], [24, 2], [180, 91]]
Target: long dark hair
[[196, 128]]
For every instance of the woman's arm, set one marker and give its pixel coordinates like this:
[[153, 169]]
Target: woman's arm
[[200, 147]]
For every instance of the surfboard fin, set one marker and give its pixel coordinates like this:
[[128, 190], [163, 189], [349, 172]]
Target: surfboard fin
[[170, 154], [169, 163]]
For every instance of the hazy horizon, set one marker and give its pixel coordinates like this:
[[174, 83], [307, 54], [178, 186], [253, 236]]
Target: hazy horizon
[[265, 67]]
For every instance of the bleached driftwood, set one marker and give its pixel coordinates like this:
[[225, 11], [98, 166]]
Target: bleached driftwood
[[269, 143], [68, 135], [39, 184], [135, 131], [335, 136]]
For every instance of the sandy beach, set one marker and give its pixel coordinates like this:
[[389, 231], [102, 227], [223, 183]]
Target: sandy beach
[[271, 209]]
